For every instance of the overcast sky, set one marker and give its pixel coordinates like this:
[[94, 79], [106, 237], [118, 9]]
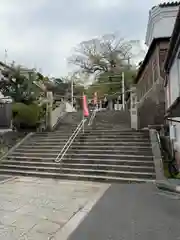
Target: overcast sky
[[42, 33]]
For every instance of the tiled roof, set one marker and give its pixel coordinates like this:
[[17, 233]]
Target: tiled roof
[[168, 4]]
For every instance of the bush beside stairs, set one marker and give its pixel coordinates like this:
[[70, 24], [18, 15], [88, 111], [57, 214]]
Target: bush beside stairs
[[108, 151]]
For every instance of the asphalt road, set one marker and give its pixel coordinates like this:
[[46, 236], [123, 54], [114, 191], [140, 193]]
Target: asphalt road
[[132, 212]]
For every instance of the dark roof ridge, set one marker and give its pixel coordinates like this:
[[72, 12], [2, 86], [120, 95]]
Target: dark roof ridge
[[174, 44], [168, 4]]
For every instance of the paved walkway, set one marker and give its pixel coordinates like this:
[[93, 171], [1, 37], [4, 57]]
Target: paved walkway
[[42, 209], [132, 212]]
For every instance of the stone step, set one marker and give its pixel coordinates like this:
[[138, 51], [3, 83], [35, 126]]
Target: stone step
[[41, 154], [99, 134], [60, 169], [44, 144], [79, 165], [81, 177], [110, 151], [103, 139], [106, 143], [94, 153], [36, 138], [116, 132], [146, 162], [32, 141], [31, 158], [53, 135], [56, 147], [41, 146], [126, 131], [109, 161], [114, 136], [85, 144], [108, 156], [39, 150]]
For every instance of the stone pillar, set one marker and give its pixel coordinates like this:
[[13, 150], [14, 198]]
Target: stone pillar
[[110, 104], [49, 110], [133, 108]]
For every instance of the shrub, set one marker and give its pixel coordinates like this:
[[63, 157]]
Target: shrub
[[26, 116]]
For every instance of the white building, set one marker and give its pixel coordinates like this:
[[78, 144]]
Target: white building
[[172, 84], [161, 21]]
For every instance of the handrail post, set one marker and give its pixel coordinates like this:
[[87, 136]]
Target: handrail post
[[83, 124]]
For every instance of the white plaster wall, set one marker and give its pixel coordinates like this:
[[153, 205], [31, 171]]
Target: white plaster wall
[[167, 96], [176, 142], [164, 27], [174, 82], [161, 23], [174, 88]]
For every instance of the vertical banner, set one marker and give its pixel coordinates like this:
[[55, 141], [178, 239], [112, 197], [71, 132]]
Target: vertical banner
[[85, 107]]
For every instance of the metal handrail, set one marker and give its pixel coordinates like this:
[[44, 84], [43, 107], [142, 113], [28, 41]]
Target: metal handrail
[[70, 140], [92, 116]]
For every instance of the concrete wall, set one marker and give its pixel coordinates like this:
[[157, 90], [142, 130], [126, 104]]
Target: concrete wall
[[60, 111], [69, 107], [161, 22], [57, 113]]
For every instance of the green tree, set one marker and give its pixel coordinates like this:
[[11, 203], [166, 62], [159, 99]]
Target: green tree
[[18, 86], [104, 59], [108, 83]]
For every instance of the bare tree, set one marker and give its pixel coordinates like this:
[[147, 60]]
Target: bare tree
[[101, 54]]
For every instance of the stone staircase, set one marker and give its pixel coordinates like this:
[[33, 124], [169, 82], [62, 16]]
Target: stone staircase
[[111, 151], [36, 155], [108, 151]]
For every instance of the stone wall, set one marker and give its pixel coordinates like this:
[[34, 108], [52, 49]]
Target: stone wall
[[150, 89], [152, 110], [9, 139]]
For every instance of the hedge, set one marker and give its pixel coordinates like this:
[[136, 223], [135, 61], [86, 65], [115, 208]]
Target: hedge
[[27, 115]]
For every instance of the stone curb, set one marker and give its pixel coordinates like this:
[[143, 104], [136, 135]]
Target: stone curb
[[11, 178], [168, 186], [16, 145]]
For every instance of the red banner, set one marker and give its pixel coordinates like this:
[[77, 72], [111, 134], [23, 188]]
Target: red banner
[[85, 107]]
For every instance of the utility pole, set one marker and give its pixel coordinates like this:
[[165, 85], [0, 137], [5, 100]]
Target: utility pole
[[72, 92], [123, 92]]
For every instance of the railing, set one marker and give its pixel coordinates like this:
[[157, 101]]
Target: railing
[[70, 141], [92, 117]]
